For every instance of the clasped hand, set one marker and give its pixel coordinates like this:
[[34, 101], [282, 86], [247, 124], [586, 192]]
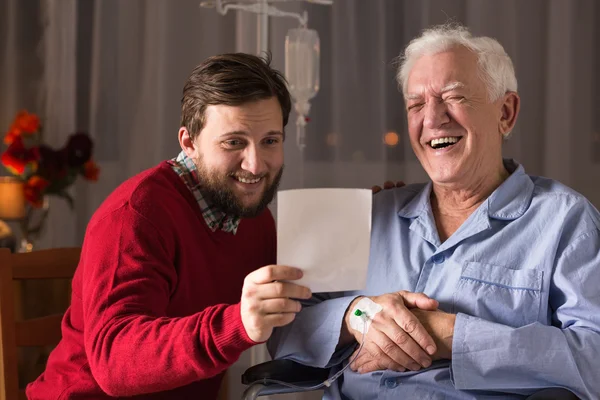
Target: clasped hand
[[407, 334]]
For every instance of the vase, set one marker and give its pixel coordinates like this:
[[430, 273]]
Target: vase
[[32, 225]]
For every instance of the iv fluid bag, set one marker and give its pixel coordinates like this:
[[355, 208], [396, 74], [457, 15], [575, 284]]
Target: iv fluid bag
[[302, 53]]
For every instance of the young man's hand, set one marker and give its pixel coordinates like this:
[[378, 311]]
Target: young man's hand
[[267, 302], [387, 185]]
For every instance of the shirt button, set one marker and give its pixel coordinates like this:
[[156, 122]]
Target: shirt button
[[439, 258], [391, 383]]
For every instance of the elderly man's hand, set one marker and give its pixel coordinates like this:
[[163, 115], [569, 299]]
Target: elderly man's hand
[[396, 339], [439, 324], [387, 185]]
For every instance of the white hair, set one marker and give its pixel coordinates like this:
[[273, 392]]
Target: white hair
[[495, 66]]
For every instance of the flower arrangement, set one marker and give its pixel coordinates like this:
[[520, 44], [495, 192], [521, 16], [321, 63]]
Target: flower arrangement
[[44, 170]]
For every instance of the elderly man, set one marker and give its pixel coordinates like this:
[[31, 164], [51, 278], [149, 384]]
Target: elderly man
[[512, 260]]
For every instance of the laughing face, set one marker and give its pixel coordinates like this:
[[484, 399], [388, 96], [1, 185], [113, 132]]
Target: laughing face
[[455, 131], [239, 155]]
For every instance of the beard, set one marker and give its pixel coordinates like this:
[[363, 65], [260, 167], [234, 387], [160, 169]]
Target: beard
[[216, 187]]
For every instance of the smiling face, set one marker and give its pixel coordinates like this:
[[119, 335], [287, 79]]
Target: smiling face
[[455, 131], [239, 155]]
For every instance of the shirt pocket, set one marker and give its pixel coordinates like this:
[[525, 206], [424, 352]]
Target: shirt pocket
[[499, 294]]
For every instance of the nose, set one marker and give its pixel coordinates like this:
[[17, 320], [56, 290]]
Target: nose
[[436, 114], [253, 160]]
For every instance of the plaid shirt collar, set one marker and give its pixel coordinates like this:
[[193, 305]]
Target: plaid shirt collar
[[214, 217]]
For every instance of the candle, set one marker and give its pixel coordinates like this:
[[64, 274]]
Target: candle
[[12, 198]]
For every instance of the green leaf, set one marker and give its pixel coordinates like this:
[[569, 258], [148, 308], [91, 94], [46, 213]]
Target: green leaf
[[60, 185]]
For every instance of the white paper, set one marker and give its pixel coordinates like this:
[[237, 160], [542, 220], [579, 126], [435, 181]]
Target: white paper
[[327, 234]]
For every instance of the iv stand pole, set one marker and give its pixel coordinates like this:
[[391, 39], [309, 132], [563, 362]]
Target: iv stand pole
[[262, 24], [262, 46]]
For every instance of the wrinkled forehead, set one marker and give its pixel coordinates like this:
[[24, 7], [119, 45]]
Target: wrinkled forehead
[[447, 70]]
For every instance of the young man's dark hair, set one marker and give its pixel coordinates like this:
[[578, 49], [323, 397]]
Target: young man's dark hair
[[231, 79]]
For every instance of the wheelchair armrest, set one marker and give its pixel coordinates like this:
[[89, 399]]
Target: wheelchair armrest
[[284, 370], [553, 394], [292, 372]]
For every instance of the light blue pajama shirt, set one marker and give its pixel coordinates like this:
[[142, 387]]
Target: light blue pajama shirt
[[522, 274]]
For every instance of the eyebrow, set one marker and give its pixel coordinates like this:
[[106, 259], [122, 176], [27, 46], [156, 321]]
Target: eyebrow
[[449, 87], [244, 133]]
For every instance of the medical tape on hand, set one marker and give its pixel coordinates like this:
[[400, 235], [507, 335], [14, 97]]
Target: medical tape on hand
[[368, 309]]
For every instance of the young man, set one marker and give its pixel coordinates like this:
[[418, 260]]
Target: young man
[[156, 309]]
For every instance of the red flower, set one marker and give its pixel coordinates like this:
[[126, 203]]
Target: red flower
[[11, 135], [91, 171], [34, 190], [27, 122], [24, 123], [46, 171], [17, 157]]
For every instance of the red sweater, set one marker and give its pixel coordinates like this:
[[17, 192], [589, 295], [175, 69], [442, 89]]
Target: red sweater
[[155, 303]]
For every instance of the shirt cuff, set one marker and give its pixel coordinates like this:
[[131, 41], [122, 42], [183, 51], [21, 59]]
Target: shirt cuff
[[314, 335], [458, 368], [472, 345]]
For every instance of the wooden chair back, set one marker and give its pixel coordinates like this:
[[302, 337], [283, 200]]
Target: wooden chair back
[[16, 332]]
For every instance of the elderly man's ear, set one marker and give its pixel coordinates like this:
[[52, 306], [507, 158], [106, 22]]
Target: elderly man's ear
[[510, 111]]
